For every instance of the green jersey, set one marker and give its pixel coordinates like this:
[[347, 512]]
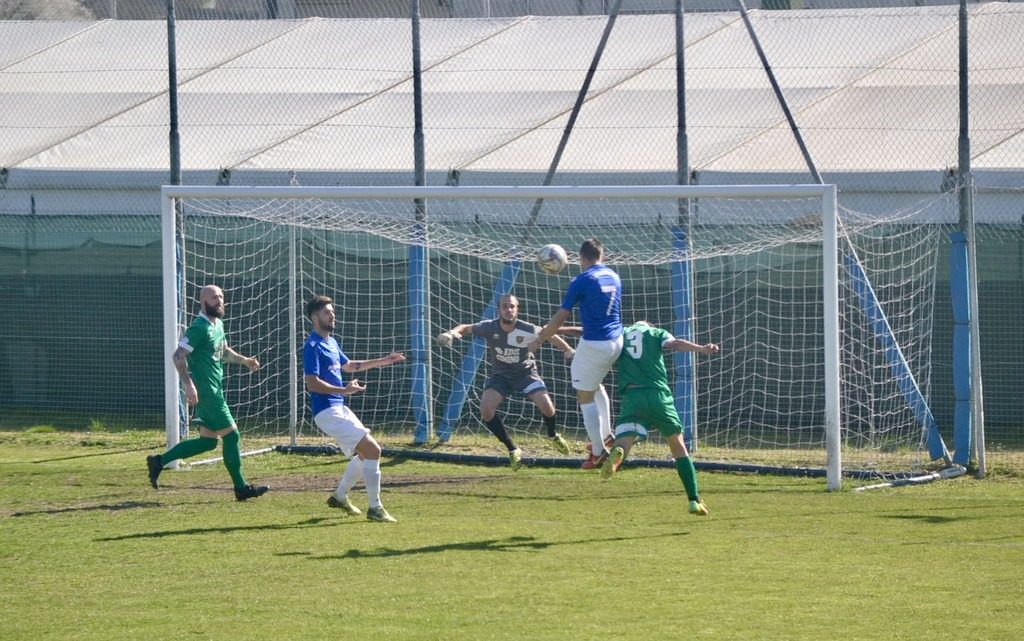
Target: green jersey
[[641, 364], [205, 342]]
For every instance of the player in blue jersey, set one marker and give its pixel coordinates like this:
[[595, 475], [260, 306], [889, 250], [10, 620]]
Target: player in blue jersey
[[323, 364], [598, 292]]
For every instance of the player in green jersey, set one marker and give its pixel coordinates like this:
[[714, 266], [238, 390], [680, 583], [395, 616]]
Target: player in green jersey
[[199, 360], [647, 402]]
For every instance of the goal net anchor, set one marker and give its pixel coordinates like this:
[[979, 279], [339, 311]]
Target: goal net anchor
[[218, 459], [943, 474]]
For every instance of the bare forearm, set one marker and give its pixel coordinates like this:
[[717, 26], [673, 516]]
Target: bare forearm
[[181, 365], [233, 357], [683, 345], [552, 327], [361, 366], [560, 343], [320, 386], [461, 330]]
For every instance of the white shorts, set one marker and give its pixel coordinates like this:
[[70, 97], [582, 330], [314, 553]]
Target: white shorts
[[593, 361], [343, 424]]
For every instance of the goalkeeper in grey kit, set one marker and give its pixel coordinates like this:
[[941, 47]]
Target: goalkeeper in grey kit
[[513, 369]]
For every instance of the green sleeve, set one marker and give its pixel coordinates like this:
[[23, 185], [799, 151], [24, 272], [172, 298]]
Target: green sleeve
[[196, 337]]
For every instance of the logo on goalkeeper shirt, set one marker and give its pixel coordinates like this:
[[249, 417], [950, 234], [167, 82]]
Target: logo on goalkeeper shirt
[[507, 354], [520, 338]]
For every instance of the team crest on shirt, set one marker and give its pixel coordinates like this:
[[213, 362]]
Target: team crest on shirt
[[519, 337]]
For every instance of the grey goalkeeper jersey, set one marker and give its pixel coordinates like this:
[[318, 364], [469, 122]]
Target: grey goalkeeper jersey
[[508, 352]]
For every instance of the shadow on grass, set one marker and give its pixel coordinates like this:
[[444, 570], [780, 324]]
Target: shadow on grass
[[146, 448], [108, 507], [510, 544], [308, 523], [924, 518]]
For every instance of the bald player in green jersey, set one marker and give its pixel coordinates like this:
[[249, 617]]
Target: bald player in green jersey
[[647, 402], [199, 360]]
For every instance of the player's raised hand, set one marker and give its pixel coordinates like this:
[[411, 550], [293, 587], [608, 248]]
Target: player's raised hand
[[445, 339], [709, 348], [395, 357]]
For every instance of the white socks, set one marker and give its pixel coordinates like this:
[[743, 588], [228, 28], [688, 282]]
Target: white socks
[[597, 418], [604, 408], [371, 476], [353, 474], [592, 421]]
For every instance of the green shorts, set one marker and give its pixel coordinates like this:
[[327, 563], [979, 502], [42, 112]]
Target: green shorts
[[214, 415], [652, 408]]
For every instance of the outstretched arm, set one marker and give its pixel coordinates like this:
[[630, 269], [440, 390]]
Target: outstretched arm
[[231, 356], [683, 345], [454, 334], [360, 366], [560, 343], [550, 329], [570, 330]]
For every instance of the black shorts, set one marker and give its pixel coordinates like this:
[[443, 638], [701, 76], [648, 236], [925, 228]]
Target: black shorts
[[525, 384]]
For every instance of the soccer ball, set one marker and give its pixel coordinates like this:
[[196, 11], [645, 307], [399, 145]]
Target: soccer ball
[[552, 258]]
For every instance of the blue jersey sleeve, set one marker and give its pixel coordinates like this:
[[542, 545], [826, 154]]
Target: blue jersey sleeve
[[310, 359], [573, 294]]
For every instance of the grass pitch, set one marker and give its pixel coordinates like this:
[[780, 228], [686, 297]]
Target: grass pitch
[[89, 551]]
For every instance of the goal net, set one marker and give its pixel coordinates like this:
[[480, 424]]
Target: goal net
[[823, 317]]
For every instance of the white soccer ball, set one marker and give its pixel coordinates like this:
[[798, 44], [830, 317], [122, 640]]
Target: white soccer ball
[[552, 258]]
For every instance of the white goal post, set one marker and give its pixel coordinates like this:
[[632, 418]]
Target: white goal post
[[755, 268]]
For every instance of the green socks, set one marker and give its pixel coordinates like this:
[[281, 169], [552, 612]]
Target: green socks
[[233, 458], [194, 446], [686, 471], [188, 449]]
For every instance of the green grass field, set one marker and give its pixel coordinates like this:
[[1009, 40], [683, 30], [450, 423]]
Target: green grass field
[[89, 551]]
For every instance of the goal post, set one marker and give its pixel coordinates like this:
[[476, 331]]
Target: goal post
[[802, 377]]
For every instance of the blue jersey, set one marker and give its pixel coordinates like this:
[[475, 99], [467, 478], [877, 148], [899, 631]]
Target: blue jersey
[[599, 294], [323, 358]]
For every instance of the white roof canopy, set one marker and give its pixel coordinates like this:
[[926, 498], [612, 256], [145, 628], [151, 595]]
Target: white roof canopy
[[874, 91]]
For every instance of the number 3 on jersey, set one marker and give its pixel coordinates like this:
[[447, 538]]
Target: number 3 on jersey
[[635, 344]]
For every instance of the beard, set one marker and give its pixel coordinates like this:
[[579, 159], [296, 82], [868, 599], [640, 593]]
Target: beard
[[213, 312], [325, 325]]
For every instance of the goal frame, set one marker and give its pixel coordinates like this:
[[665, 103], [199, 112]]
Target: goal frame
[[172, 296]]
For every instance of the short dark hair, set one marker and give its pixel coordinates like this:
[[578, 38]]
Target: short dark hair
[[317, 303], [592, 249]]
